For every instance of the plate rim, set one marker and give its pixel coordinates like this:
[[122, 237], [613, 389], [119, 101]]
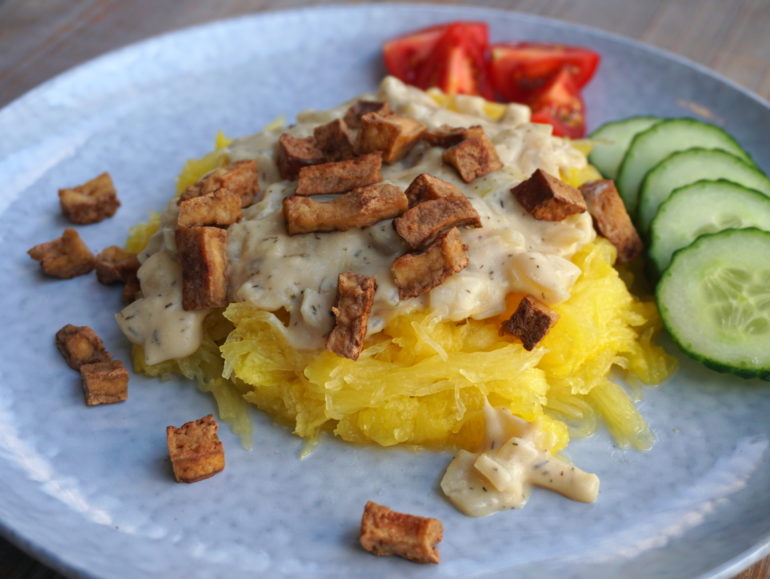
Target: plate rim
[[52, 558]]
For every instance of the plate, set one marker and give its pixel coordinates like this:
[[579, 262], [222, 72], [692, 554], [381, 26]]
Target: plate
[[89, 491]]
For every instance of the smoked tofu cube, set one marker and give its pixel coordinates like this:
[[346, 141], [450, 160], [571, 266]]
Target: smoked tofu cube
[[387, 532], [547, 198], [473, 157], [293, 153], [195, 450], [64, 257], [355, 296], [446, 136], [240, 178], [114, 264], [80, 345], [335, 140], [104, 382], [360, 108], [360, 208], [222, 208], [203, 255], [423, 223], [131, 289], [530, 322], [91, 202], [426, 187], [339, 176], [391, 134], [611, 220], [415, 274]]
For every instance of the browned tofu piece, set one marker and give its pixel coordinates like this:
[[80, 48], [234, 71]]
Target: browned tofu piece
[[361, 207], [240, 178], [423, 223], [611, 219], [547, 198], [203, 255], [64, 257], [221, 208], [387, 532], [335, 140], [391, 134], [426, 187], [355, 296], [80, 345], [530, 322], [340, 176], [417, 273], [114, 264], [446, 136], [104, 382], [195, 450], [131, 289], [91, 202], [473, 157], [293, 153], [360, 108]]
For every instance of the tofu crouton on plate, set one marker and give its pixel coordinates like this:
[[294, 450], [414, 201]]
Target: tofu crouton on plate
[[195, 450], [104, 382], [91, 202], [80, 345], [64, 257], [387, 532]]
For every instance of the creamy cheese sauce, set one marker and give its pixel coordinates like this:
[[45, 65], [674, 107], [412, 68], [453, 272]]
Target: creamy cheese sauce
[[157, 320], [273, 271], [501, 475]]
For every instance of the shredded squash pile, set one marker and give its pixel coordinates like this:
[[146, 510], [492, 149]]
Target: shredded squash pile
[[424, 381]]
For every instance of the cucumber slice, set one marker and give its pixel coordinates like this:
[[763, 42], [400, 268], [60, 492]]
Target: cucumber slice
[[612, 140], [714, 300], [685, 167], [700, 208], [650, 147]]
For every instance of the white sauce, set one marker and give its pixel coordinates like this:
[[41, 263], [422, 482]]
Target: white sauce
[[268, 268], [501, 475], [157, 320]]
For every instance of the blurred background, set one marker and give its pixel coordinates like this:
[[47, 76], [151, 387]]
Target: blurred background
[[41, 38]]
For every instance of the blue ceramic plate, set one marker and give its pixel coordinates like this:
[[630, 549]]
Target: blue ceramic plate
[[88, 490]]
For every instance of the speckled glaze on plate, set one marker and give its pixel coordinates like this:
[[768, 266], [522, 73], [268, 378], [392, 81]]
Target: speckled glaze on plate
[[89, 490]]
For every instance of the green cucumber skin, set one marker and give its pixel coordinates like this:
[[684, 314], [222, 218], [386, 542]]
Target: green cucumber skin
[[649, 147], [668, 215], [721, 165], [761, 370], [608, 157]]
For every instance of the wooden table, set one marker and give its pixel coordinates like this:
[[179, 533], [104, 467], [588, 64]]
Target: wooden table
[[41, 38]]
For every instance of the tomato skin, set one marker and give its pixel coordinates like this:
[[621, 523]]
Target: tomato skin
[[405, 55], [519, 70], [560, 104], [451, 57]]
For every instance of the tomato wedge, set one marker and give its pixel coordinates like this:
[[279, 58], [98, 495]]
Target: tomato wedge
[[405, 55], [451, 57], [560, 104], [456, 57], [519, 70]]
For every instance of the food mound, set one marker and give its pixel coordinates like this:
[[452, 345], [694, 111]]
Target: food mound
[[381, 280]]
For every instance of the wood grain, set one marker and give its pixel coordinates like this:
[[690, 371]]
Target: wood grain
[[42, 38]]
